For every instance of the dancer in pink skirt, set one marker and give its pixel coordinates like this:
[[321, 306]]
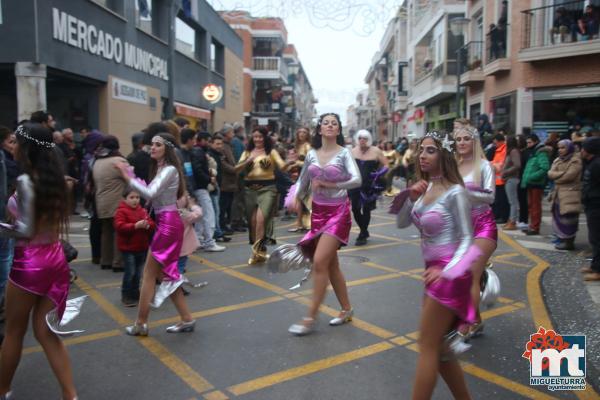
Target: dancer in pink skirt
[[480, 180], [166, 187], [39, 279], [438, 205], [330, 170]]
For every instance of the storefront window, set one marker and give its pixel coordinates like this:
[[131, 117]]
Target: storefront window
[[505, 113]]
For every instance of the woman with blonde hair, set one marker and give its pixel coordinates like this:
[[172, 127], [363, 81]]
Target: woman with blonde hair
[[302, 147], [480, 180], [439, 207]]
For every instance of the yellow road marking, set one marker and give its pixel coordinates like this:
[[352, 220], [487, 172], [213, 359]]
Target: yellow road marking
[[216, 395], [104, 304], [505, 383], [176, 364], [373, 279], [77, 340], [380, 267], [400, 340], [368, 247], [170, 360], [118, 283], [80, 260], [307, 369]]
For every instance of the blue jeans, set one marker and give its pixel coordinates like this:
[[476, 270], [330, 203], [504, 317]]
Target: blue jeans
[[214, 196], [7, 246], [133, 262], [181, 263]]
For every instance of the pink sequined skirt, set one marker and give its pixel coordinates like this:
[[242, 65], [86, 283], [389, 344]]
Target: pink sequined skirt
[[484, 225], [166, 243], [454, 294], [42, 269], [331, 219]]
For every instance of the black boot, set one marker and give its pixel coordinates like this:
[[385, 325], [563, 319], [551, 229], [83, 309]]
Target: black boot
[[566, 244]]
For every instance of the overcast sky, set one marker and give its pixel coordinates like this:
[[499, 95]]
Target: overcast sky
[[335, 40]]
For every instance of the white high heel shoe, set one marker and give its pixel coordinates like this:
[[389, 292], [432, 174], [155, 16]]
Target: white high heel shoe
[[307, 327], [345, 316]]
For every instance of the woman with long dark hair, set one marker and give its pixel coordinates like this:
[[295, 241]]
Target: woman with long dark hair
[[39, 279], [330, 170], [439, 207], [479, 178], [259, 160], [166, 186]]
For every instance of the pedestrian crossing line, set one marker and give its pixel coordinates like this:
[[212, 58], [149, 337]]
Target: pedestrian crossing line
[[308, 369], [170, 360]]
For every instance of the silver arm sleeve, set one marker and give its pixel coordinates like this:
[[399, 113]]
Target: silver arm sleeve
[[460, 208], [303, 181], [488, 186], [352, 169], [403, 218], [158, 184], [24, 225]]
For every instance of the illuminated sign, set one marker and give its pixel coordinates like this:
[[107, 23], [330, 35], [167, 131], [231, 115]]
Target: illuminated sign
[[212, 93]]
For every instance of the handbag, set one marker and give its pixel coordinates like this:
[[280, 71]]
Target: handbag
[[71, 252]]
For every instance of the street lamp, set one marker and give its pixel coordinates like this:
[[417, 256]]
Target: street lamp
[[458, 26]]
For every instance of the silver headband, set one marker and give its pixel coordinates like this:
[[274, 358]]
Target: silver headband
[[162, 140], [473, 132], [21, 131], [442, 139]]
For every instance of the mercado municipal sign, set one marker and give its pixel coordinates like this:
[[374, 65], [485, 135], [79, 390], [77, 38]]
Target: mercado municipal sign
[[77, 33]]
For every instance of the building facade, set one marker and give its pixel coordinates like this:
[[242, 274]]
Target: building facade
[[108, 63], [277, 92], [528, 65]]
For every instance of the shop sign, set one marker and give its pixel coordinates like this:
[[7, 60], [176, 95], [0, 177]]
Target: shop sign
[[263, 121], [212, 93], [87, 37], [127, 91]]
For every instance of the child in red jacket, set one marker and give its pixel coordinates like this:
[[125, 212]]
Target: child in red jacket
[[133, 227]]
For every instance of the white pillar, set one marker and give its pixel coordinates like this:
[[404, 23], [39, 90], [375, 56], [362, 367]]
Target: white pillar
[[524, 108], [31, 88]]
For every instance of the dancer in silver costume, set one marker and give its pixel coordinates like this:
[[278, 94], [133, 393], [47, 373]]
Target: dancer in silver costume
[[480, 180], [166, 187], [39, 279], [330, 170], [438, 205]]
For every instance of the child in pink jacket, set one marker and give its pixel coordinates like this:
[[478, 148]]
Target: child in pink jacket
[[190, 213]]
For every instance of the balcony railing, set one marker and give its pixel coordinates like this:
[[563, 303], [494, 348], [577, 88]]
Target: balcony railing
[[495, 42], [560, 23], [471, 56], [270, 64]]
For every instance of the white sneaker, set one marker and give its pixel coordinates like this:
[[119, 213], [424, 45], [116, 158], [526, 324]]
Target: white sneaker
[[214, 248], [522, 225]]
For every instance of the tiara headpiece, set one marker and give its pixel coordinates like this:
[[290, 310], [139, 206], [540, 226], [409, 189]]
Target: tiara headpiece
[[22, 131], [443, 139], [162, 140]]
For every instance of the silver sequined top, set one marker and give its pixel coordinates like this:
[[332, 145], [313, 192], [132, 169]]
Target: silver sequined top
[[445, 226], [162, 191], [341, 169], [482, 193]]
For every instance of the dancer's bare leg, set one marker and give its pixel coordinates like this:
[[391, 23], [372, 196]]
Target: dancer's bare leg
[[18, 305], [180, 304], [53, 347], [338, 282], [325, 252], [436, 321], [487, 247], [152, 271]]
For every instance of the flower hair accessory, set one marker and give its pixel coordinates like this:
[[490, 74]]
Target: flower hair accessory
[[22, 131], [443, 139], [162, 140]]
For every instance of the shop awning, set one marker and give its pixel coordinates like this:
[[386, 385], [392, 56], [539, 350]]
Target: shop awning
[[191, 111], [571, 92]]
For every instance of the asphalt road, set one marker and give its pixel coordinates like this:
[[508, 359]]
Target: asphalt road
[[241, 348]]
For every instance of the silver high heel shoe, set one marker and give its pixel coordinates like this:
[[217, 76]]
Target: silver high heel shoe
[[137, 330], [307, 327], [345, 316], [182, 327]]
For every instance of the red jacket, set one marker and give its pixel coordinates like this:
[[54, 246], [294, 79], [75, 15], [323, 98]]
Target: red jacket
[[128, 238]]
